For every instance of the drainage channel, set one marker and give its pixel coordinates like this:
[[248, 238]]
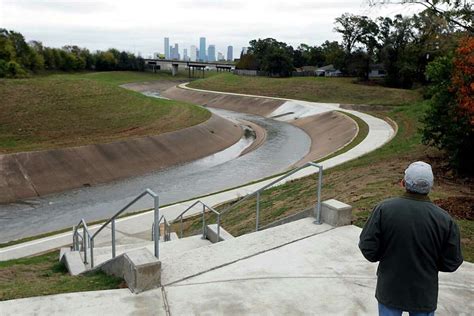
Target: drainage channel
[[284, 146]]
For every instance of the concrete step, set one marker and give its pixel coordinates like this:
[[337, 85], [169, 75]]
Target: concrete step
[[206, 258], [74, 263], [74, 259]]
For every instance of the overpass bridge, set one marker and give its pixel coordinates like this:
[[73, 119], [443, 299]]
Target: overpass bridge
[[193, 67]]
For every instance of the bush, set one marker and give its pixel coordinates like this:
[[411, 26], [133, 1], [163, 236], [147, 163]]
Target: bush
[[14, 70], [3, 68]]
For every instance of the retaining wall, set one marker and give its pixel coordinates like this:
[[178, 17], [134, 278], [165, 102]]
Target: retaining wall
[[29, 174]]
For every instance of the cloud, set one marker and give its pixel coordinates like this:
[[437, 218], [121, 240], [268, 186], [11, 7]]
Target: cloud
[[141, 25], [60, 6], [210, 4]]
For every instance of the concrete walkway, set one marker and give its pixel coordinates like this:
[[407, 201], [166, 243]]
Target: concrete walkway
[[295, 269], [380, 132]]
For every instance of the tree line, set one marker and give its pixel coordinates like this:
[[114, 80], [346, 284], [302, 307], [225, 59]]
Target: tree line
[[402, 46], [19, 58], [433, 49]]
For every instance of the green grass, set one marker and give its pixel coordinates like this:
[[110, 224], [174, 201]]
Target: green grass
[[72, 110], [317, 89], [44, 275], [121, 77]]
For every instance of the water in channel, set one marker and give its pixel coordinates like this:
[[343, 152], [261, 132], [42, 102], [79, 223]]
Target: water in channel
[[284, 146]]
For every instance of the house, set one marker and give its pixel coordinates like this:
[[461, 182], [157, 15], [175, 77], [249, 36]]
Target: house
[[328, 71], [377, 71]]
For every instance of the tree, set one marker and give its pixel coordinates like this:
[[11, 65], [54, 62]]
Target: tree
[[272, 56], [456, 12], [7, 50], [358, 29], [247, 61], [333, 53], [463, 77], [449, 123], [277, 62], [105, 61], [398, 52]]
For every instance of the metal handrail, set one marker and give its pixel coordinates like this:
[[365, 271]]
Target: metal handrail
[[113, 219], [204, 207], [85, 241], [317, 210]]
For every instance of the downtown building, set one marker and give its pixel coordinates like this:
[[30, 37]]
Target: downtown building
[[202, 49], [211, 53], [230, 53], [167, 48]]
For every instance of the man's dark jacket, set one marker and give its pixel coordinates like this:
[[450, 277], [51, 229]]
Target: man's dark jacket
[[413, 239]]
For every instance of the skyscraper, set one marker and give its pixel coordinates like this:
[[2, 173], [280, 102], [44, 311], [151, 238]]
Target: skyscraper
[[202, 49], [193, 53], [185, 54], [167, 48], [230, 53], [211, 53], [220, 56], [175, 54]]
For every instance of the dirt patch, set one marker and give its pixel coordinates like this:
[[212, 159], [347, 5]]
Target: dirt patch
[[460, 207]]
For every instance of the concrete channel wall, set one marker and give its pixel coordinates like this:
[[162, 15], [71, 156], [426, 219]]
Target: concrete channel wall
[[329, 131], [30, 174]]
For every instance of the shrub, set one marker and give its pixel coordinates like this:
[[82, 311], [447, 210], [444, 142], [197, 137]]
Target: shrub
[[14, 70]]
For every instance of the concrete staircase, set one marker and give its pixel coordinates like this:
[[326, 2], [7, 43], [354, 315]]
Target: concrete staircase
[[180, 259], [75, 259]]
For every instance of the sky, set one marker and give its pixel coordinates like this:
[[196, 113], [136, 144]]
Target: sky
[[139, 26]]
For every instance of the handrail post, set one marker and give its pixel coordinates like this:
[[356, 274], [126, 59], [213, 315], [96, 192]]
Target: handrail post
[[92, 252], [74, 238], [157, 228], [203, 221], [258, 211], [113, 238], [181, 230], [218, 227], [84, 243], [318, 205]]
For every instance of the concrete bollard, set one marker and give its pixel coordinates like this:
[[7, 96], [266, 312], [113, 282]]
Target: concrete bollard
[[336, 213]]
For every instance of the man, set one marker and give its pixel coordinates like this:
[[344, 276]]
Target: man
[[413, 239]]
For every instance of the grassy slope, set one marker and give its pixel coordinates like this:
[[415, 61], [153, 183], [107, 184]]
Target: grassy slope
[[318, 89], [361, 183], [120, 77], [71, 110], [44, 275]]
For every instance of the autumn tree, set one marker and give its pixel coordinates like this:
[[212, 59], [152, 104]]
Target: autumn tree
[[449, 123]]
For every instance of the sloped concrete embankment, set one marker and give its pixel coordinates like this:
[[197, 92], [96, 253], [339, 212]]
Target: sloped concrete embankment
[[30, 174], [252, 105], [329, 130]]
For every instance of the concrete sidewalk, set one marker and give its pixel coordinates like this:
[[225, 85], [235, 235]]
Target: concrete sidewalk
[[380, 132], [309, 271]]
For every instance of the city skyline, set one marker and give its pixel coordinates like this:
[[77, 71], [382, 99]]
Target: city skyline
[[191, 53], [114, 24]]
